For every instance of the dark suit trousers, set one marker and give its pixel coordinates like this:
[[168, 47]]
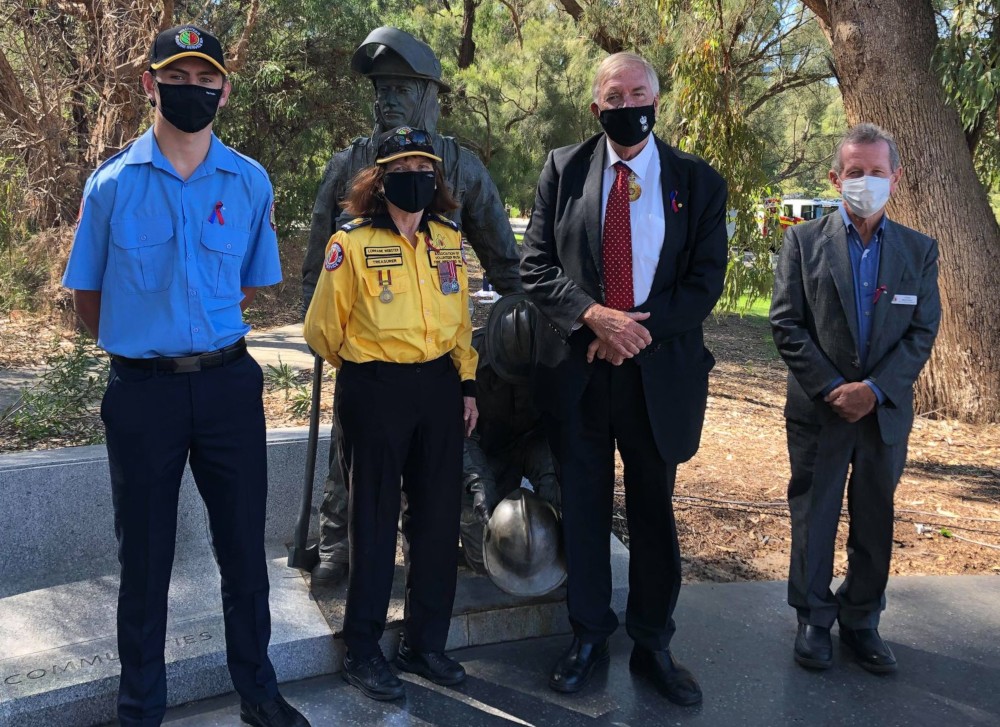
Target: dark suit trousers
[[402, 427], [612, 411], [820, 457], [155, 422]]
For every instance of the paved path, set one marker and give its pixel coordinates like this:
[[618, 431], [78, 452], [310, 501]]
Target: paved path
[[737, 638]]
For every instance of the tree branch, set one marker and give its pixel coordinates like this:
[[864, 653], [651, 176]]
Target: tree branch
[[515, 17], [599, 35], [238, 55]]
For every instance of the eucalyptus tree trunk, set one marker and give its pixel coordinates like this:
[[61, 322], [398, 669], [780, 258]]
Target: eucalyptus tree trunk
[[882, 52]]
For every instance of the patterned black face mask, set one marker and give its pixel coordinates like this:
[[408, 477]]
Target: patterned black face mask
[[629, 125]]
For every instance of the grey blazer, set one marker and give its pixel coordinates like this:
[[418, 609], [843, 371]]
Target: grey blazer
[[815, 327]]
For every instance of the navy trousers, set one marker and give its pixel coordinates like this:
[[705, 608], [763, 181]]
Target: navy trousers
[[402, 426], [155, 423], [612, 411]]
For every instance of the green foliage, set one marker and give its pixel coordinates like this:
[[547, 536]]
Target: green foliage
[[281, 378], [300, 402], [296, 101], [711, 120], [527, 92], [65, 405], [967, 58], [22, 273]]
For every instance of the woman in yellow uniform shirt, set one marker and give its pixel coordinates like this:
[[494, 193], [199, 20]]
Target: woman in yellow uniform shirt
[[391, 312]]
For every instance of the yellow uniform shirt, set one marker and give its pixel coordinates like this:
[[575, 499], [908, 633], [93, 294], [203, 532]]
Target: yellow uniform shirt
[[379, 298]]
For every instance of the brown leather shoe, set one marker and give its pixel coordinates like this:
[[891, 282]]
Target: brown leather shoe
[[672, 679]]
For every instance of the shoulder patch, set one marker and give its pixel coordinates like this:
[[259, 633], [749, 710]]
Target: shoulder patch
[[356, 223], [335, 258], [441, 219]]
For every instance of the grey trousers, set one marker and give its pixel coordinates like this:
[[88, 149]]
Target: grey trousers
[[821, 457]]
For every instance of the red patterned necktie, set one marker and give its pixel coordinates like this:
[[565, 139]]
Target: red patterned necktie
[[616, 250]]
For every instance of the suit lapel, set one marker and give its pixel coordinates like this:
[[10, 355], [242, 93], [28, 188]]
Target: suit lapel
[[592, 203], [839, 259], [675, 223], [890, 272]]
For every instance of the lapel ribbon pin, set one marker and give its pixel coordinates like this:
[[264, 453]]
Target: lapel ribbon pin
[[674, 204]]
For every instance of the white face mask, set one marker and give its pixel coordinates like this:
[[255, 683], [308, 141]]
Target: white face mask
[[865, 195]]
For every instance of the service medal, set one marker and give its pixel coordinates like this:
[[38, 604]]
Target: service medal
[[634, 190], [453, 287], [386, 295]]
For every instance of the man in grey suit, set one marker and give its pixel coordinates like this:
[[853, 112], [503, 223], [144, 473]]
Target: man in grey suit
[[854, 315]]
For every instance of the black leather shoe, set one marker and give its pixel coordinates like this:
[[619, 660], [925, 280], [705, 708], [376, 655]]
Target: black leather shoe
[[673, 681], [276, 713], [869, 649], [814, 647], [373, 677], [577, 664], [436, 666], [327, 573]]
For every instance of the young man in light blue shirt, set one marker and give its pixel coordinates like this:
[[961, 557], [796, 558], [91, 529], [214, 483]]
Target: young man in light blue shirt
[[175, 235]]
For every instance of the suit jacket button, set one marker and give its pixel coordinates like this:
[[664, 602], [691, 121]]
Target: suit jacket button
[[856, 364]]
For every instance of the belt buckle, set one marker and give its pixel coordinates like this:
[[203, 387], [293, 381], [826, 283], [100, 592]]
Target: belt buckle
[[187, 364]]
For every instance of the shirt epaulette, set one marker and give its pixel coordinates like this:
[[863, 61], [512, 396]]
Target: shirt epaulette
[[111, 159], [441, 219], [356, 223], [251, 161]]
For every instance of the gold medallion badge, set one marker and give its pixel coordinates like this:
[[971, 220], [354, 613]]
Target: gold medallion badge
[[634, 190]]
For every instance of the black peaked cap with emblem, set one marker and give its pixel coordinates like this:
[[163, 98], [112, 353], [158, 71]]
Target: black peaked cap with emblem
[[186, 41]]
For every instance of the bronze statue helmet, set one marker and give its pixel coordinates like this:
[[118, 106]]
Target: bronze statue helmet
[[522, 546], [508, 343], [390, 51]]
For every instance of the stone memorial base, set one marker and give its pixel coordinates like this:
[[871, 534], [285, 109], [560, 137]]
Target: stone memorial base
[[59, 586], [60, 665]]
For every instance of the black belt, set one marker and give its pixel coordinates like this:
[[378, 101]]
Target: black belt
[[187, 364]]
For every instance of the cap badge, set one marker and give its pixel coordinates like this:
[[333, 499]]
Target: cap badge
[[189, 39]]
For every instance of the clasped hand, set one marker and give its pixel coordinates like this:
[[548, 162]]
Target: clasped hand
[[619, 334], [852, 401]]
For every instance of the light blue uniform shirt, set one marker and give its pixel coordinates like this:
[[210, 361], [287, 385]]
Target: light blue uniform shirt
[[170, 268]]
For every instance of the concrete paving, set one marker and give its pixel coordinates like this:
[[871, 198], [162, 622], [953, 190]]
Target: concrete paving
[[275, 346], [737, 638]]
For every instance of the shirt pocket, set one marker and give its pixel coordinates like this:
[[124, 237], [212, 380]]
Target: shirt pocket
[[223, 248], [143, 253], [398, 313], [452, 305]]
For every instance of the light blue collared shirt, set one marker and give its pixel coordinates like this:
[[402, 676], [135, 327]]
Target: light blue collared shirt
[[169, 265], [864, 269]]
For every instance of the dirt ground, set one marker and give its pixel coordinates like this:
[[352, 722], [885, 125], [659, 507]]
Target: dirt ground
[[730, 499]]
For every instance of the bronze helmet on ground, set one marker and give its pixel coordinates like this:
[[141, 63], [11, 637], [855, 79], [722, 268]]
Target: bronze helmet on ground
[[522, 546]]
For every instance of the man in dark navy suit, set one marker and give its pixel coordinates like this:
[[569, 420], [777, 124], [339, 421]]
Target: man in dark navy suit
[[625, 255]]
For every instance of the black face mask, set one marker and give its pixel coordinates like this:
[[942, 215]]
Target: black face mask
[[410, 191], [628, 125], [190, 108]]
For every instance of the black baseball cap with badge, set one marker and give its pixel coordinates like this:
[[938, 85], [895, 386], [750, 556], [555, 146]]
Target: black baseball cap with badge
[[404, 141], [186, 41]]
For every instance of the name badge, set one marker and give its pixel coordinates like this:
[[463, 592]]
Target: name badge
[[904, 299], [446, 255]]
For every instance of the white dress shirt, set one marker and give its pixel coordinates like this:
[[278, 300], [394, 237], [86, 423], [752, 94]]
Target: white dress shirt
[[648, 224]]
